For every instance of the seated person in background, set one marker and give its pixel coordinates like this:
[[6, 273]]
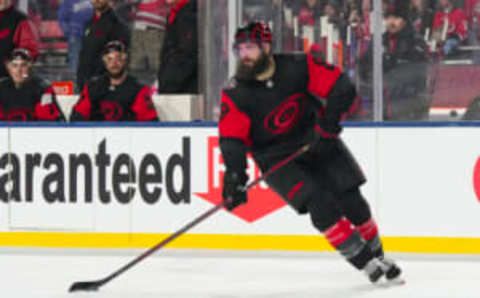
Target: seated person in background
[[23, 96], [115, 96], [404, 66], [457, 26]]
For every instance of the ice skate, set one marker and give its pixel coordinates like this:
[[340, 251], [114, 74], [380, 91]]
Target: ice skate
[[374, 270], [392, 272]]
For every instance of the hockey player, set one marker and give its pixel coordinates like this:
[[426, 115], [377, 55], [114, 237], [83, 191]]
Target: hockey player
[[274, 108], [115, 96], [23, 96]]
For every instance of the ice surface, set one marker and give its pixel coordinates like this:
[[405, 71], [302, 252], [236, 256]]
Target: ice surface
[[229, 275]]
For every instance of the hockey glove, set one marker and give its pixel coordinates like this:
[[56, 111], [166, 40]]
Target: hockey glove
[[233, 194], [327, 128], [325, 137]]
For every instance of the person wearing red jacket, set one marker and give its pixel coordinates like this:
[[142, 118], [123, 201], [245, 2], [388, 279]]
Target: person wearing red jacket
[[24, 96], [273, 109], [16, 31], [456, 22], [115, 96]]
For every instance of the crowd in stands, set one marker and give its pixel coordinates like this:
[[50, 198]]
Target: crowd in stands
[[161, 36]]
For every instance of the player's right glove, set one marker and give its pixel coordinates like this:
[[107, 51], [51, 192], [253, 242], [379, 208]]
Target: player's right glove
[[233, 185]]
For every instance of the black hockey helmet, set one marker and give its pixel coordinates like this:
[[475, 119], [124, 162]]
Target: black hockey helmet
[[258, 32]]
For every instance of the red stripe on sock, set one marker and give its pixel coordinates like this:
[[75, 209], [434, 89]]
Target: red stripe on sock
[[339, 232], [294, 190], [368, 230]]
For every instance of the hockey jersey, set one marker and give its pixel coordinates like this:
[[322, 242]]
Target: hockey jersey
[[264, 116], [33, 101], [100, 101]]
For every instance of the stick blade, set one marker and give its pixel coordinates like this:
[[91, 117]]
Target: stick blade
[[87, 286]]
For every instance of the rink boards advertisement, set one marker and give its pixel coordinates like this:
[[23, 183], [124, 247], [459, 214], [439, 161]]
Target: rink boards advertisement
[[117, 187]]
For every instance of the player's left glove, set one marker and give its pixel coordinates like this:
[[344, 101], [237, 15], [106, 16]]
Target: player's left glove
[[325, 136], [233, 185], [327, 128]]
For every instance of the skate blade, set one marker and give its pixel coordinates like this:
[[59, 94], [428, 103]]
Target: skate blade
[[391, 283]]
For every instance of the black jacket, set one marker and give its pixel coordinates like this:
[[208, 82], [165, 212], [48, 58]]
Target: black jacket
[[404, 47], [178, 72], [33, 101], [96, 35], [405, 65]]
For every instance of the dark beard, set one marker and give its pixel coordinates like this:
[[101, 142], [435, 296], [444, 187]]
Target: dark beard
[[250, 73], [118, 75]]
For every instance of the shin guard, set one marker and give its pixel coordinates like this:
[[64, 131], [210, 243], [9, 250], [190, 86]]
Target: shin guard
[[369, 232]]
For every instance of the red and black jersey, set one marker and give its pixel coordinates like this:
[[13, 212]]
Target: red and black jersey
[[33, 101], [263, 116], [101, 101]]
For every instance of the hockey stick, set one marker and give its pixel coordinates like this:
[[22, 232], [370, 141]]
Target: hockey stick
[[95, 285]]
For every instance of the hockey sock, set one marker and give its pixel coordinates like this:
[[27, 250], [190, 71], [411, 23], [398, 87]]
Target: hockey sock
[[369, 231], [348, 241]]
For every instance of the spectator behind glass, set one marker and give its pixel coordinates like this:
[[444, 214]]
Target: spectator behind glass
[[404, 66], [115, 96], [309, 11], [422, 15], [149, 24], [16, 31], [257, 10], [72, 17], [103, 27], [457, 26], [23, 96], [333, 11], [178, 72], [472, 9]]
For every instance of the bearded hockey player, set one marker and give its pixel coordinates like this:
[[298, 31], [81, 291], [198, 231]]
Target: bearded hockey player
[[279, 103], [115, 96]]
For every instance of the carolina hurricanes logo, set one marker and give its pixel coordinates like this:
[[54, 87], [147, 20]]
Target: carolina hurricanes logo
[[4, 33], [19, 115], [284, 117], [111, 110]]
